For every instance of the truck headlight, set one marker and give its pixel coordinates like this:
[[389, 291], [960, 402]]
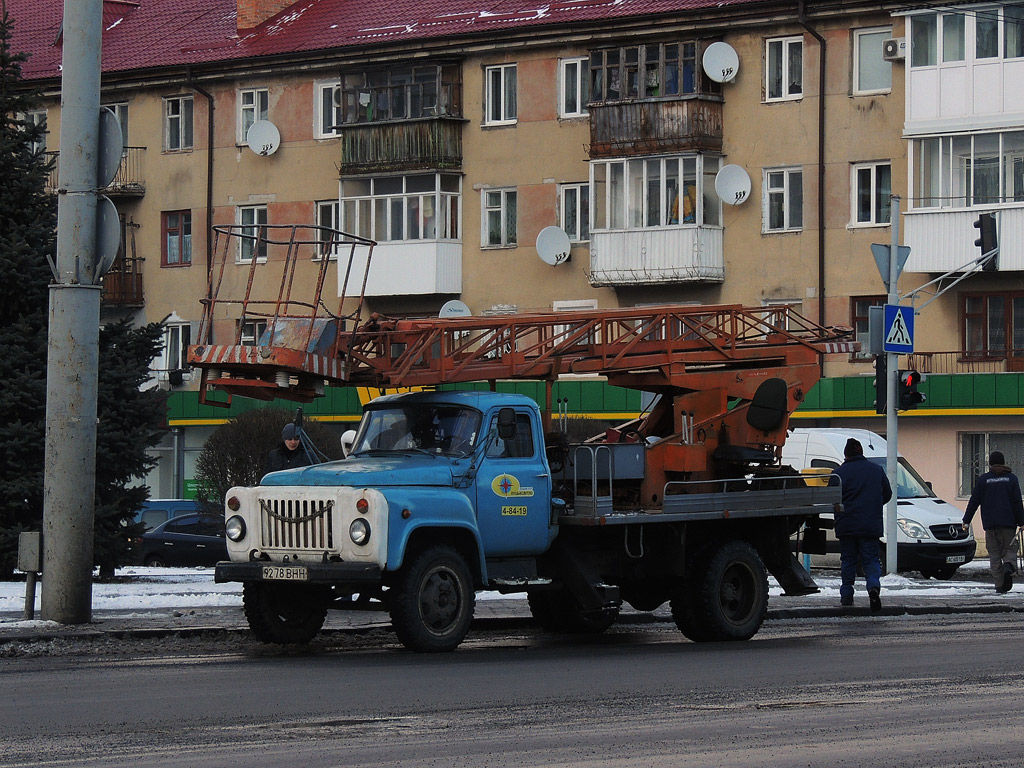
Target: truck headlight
[[912, 528], [234, 528], [359, 531]]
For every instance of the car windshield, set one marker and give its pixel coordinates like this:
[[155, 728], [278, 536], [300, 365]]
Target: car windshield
[[434, 428], [909, 484]]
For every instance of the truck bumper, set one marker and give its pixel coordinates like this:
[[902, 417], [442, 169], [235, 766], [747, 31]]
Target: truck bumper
[[916, 557], [356, 574]]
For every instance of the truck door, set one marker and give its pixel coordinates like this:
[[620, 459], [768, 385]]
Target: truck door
[[513, 490]]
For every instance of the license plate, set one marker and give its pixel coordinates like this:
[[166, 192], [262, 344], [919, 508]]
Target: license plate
[[956, 558], [285, 573]]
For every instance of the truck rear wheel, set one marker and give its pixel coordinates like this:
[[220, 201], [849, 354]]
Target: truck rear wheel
[[283, 613], [559, 611], [725, 596], [433, 603]]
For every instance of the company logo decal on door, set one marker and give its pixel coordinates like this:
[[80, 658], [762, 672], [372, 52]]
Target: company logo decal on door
[[507, 486]]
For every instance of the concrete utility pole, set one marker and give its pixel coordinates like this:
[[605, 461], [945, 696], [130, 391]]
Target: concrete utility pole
[[73, 356], [892, 396]]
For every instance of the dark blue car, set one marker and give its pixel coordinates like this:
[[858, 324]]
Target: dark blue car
[[187, 540]]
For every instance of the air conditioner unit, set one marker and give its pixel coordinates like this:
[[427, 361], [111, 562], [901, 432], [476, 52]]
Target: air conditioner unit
[[894, 49]]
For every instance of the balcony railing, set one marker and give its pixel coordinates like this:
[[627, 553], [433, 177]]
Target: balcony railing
[[431, 143], [662, 256], [650, 127], [961, 362], [128, 181]]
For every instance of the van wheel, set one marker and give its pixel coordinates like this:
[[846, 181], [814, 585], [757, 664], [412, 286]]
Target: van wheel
[[559, 611], [942, 572], [283, 613], [434, 600], [727, 598]]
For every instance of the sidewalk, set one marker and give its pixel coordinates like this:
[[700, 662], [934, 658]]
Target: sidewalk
[[970, 592]]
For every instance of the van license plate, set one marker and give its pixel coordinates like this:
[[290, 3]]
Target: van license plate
[[956, 558], [285, 573]]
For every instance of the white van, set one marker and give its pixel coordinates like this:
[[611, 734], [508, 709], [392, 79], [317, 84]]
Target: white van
[[930, 538]]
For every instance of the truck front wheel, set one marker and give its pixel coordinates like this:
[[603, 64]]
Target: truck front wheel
[[729, 597], [433, 603], [283, 613]]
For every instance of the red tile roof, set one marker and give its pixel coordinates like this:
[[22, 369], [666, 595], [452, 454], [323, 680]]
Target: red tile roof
[[152, 34]]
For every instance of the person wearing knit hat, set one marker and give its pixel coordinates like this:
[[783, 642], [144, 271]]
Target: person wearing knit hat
[[289, 453], [997, 493], [866, 489]]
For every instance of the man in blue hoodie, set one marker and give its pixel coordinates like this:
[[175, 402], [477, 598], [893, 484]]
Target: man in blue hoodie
[[997, 492], [866, 489]]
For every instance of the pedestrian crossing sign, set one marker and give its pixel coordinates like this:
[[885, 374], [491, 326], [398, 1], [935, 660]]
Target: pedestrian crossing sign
[[898, 329]]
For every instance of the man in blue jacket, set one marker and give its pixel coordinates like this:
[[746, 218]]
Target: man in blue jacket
[[866, 489], [997, 492]]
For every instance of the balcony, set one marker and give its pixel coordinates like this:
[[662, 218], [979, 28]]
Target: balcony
[[122, 285], [962, 362], [664, 256], [433, 143], [129, 181], [943, 240], [655, 127], [418, 267]]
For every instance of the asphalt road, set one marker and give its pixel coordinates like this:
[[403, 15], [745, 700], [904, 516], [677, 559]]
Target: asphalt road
[[931, 691]]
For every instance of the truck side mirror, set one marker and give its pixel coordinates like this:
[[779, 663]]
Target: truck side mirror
[[506, 423]]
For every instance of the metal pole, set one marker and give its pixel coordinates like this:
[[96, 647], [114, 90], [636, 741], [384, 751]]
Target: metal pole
[[892, 393], [72, 360]]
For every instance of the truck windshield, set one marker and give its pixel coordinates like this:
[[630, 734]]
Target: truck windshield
[[437, 429], [909, 484]]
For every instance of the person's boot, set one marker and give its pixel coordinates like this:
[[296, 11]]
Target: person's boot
[[846, 600], [1008, 570], [876, 600]]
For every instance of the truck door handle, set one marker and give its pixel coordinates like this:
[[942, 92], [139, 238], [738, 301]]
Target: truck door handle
[[545, 474]]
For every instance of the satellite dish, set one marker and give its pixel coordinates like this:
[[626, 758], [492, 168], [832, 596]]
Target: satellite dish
[[263, 138], [108, 236], [553, 245], [732, 185], [454, 308], [111, 146], [721, 63]]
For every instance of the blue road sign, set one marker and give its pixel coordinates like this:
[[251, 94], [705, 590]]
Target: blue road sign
[[898, 333]]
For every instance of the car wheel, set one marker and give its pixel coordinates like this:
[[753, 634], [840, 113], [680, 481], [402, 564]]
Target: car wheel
[[433, 601], [154, 561], [284, 613]]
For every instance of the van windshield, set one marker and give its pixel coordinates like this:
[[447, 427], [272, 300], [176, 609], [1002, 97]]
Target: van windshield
[[909, 484]]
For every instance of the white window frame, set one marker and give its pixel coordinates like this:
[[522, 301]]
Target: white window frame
[[859, 37], [875, 193], [580, 79], [574, 305], [499, 109], [497, 200], [785, 43], [183, 118], [378, 202], [770, 191], [771, 304], [250, 332], [253, 105], [327, 109], [328, 214], [579, 230], [251, 217], [174, 355], [35, 117]]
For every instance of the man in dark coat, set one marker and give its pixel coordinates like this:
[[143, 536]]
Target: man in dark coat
[[289, 453], [997, 492], [859, 526]]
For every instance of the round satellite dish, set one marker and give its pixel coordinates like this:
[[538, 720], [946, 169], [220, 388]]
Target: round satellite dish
[[553, 245], [454, 308], [732, 185], [111, 146], [263, 137], [721, 63], [108, 236]]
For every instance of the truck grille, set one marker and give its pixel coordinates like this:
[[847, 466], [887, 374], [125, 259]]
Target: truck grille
[[949, 532], [297, 524]]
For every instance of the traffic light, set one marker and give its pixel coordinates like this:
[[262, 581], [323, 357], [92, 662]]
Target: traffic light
[[881, 382], [910, 398], [988, 240]]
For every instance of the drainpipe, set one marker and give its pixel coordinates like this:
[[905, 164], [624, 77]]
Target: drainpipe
[[802, 18], [209, 196]]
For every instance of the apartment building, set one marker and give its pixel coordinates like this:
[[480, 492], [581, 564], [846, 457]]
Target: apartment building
[[453, 134]]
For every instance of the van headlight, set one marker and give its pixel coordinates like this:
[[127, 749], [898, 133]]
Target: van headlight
[[359, 531], [912, 528], [234, 528]]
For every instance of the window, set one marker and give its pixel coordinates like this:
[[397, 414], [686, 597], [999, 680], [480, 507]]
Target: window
[[650, 71], [253, 105], [250, 332], [986, 33], [253, 239], [328, 214], [783, 199], [422, 206], [872, 188], [655, 192], [178, 123], [966, 170], [37, 118], [327, 109], [784, 69], [499, 220], [500, 99], [859, 310], [121, 113], [993, 325], [177, 338], [177, 239], [519, 447], [1013, 31], [572, 91], [574, 209], [561, 333], [776, 311], [975, 448], [871, 73], [401, 93], [924, 40]]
